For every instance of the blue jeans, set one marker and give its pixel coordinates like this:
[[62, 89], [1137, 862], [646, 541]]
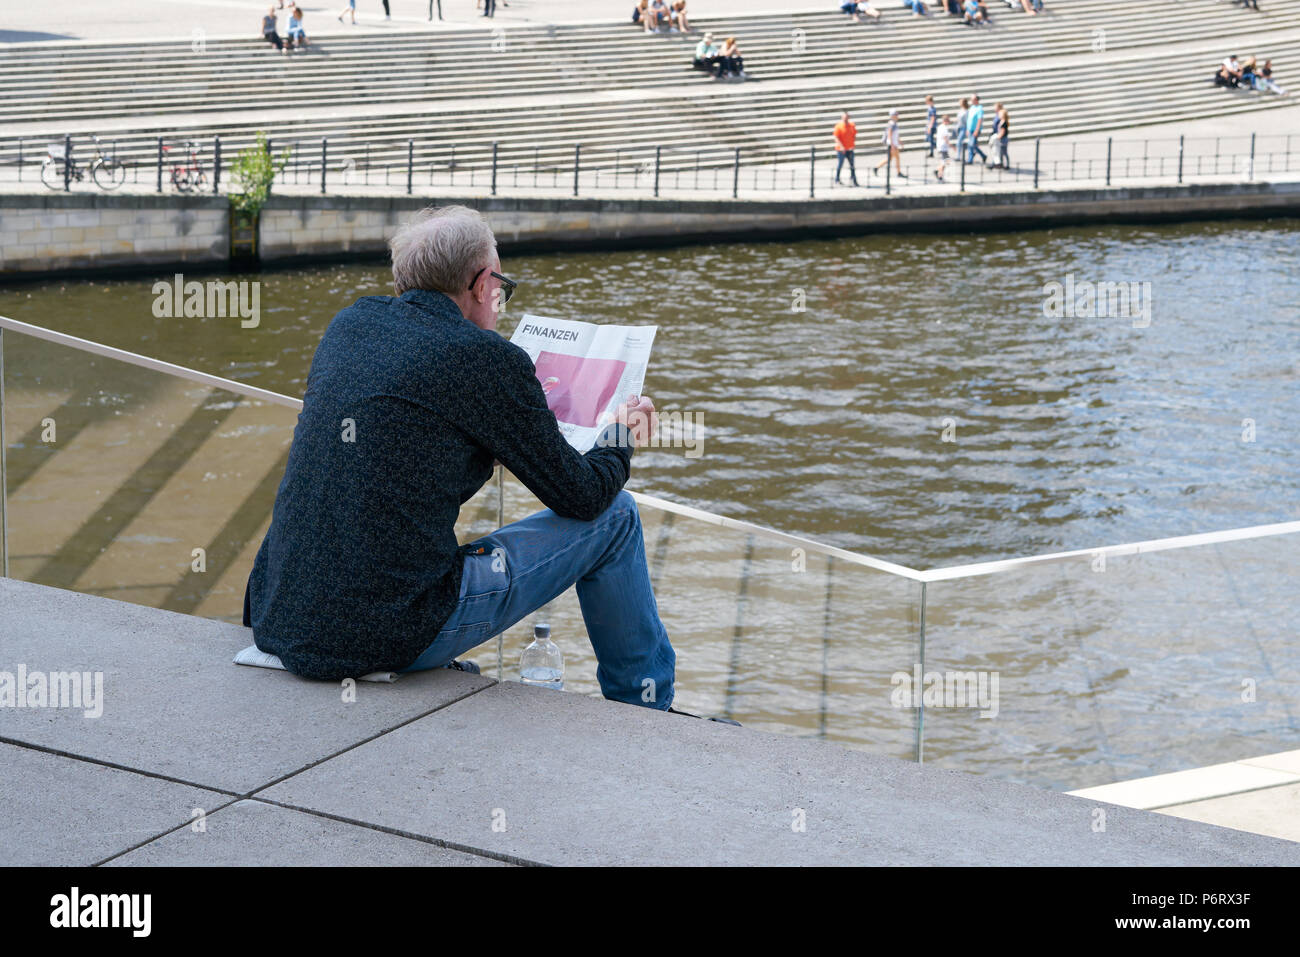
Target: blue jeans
[[517, 569], [839, 165], [973, 141]]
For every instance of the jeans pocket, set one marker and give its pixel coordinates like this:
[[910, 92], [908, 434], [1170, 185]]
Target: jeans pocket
[[486, 571]]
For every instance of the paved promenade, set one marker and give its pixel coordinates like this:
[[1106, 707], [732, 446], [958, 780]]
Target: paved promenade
[[141, 19], [195, 760]]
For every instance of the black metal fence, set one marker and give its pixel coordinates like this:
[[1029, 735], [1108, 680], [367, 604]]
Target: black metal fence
[[346, 166]]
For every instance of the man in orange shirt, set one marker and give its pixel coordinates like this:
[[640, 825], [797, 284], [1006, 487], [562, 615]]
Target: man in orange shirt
[[846, 134]]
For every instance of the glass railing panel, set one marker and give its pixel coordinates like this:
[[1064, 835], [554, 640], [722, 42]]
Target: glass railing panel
[[789, 641], [135, 484], [1143, 664]]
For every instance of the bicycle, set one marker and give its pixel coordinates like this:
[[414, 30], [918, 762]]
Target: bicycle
[[188, 175], [58, 169]]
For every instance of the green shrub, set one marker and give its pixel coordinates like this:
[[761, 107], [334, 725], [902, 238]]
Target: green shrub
[[252, 173]]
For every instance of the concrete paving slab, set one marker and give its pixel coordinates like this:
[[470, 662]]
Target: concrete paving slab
[[58, 811], [565, 779], [256, 834], [1272, 811], [1180, 787], [175, 705], [1288, 761]]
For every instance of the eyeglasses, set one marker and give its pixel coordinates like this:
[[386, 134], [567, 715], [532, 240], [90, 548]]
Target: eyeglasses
[[506, 284]]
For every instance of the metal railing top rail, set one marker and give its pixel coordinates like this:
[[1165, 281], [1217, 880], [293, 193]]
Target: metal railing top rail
[[971, 570]]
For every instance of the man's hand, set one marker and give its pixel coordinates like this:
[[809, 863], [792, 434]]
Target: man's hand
[[638, 414]]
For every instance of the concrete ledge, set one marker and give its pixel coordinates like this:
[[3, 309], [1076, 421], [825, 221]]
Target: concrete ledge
[[314, 227], [1199, 784], [256, 834], [53, 233], [443, 765], [174, 703]]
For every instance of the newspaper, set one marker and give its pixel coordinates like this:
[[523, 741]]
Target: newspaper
[[586, 370]]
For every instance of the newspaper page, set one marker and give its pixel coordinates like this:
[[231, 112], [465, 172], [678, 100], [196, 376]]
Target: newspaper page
[[586, 370]]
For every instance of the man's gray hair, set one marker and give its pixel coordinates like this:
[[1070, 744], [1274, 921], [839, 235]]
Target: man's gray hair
[[440, 249]]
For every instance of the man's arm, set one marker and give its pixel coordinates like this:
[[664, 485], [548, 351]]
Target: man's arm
[[509, 417]]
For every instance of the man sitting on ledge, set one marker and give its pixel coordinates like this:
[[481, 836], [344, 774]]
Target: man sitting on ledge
[[408, 402]]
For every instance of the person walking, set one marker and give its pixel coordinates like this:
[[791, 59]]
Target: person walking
[[431, 2], [963, 111], [943, 138], [388, 15], [489, 8], [894, 146], [974, 126], [1004, 134], [931, 122], [846, 134], [350, 8]]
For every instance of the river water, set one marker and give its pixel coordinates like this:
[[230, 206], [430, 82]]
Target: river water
[[830, 422], [912, 398]]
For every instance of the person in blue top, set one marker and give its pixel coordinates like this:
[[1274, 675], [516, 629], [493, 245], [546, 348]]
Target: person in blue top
[[974, 126], [931, 123], [297, 36], [976, 13]]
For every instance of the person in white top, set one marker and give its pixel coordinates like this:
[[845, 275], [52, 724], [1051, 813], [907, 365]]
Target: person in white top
[[943, 144], [1229, 73], [894, 142]]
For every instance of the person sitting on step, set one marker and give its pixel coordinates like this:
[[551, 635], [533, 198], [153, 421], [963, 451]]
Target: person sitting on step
[[707, 54], [861, 10], [732, 64], [297, 36]]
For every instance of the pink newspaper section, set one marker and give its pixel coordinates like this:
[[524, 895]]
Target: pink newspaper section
[[578, 389], [586, 370]]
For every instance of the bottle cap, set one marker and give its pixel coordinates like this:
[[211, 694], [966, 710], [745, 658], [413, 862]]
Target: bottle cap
[[542, 631]]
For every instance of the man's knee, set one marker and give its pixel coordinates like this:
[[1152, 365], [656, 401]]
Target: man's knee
[[624, 505]]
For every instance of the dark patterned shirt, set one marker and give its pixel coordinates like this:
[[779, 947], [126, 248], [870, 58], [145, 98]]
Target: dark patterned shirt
[[407, 404]]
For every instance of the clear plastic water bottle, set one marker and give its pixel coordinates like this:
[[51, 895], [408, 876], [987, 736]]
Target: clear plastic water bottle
[[542, 664]]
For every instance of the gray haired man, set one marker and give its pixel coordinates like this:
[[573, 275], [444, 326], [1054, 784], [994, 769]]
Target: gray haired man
[[409, 401]]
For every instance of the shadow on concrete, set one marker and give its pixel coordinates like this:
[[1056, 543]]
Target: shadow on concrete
[[31, 36]]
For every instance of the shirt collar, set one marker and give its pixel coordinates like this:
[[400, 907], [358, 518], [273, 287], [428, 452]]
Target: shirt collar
[[432, 301]]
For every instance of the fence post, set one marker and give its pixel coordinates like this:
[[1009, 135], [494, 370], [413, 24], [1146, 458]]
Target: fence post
[[20, 159], [1037, 146], [410, 164], [1250, 172], [67, 163], [577, 152], [658, 150], [270, 154], [735, 176], [1109, 141], [961, 161], [160, 151], [324, 160], [887, 158], [494, 168], [812, 171], [1180, 160], [216, 165]]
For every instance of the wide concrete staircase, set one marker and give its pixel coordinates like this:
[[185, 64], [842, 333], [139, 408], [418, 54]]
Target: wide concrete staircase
[[443, 98]]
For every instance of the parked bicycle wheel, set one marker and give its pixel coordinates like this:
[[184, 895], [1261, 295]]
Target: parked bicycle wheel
[[181, 180], [52, 173], [109, 173]]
